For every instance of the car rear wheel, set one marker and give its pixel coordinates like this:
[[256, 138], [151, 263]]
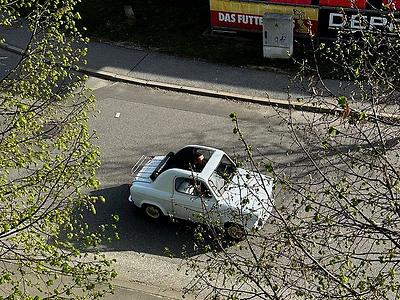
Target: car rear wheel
[[234, 231], [152, 212]]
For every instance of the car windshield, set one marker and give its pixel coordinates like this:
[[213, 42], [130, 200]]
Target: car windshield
[[222, 175]]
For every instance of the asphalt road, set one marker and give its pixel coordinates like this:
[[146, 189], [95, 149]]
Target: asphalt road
[[133, 121]]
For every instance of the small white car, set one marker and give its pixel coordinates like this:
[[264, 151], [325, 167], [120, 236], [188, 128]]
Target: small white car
[[219, 192]]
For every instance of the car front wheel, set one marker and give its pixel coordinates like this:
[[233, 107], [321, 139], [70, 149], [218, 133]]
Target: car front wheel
[[234, 231], [152, 212]]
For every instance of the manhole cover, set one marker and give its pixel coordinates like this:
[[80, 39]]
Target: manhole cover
[[51, 129]]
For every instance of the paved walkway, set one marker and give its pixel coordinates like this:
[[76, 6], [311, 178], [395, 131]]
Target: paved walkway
[[138, 291], [141, 64], [138, 66]]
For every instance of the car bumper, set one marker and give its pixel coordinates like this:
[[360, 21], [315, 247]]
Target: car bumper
[[130, 200]]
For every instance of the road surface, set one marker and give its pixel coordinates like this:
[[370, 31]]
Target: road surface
[[133, 121]]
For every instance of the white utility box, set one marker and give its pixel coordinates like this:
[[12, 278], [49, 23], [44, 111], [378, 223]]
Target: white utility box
[[277, 35]]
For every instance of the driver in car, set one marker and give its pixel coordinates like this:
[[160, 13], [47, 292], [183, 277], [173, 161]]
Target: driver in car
[[198, 162]]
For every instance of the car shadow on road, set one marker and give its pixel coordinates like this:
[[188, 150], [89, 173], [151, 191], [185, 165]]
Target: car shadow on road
[[137, 233]]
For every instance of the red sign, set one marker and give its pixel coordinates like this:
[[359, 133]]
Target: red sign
[[343, 3], [235, 20], [249, 15], [246, 15]]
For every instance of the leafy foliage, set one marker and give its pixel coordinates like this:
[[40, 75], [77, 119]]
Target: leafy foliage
[[334, 233], [47, 161]]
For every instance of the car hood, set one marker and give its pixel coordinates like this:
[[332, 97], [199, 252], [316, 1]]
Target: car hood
[[250, 192]]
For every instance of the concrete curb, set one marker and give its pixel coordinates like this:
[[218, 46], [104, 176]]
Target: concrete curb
[[302, 106], [286, 104], [142, 288], [208, 93]]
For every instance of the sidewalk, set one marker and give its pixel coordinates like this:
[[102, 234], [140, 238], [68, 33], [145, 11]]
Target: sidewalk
[[145, 65], [157, 70], [142, 67], [139, 292]]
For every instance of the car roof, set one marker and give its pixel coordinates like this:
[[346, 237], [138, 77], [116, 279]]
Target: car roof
[[200, 147], [212, 163], [204, 175], [210, 166]]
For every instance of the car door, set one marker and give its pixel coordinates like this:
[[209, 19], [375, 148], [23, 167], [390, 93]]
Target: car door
[[191, 199]]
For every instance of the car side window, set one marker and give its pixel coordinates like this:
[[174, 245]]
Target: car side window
[[184, 185], [191, 187]]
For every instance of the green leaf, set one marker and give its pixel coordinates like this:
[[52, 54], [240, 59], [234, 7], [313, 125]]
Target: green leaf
[[233, 116], [332, 130], [92, 209], [342, 101], [317, 217], [344, 279], [392, 273], [6, 227], [269, 167]]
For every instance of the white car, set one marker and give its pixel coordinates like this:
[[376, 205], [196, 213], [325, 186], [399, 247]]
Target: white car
[[220, 192]]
